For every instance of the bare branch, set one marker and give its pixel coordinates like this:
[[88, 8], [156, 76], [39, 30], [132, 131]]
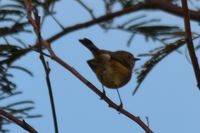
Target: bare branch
[[167, 6], [188, 37], [36, 25], [22, 124]]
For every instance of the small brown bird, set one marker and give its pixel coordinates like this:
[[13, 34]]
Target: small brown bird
[[113, 69]]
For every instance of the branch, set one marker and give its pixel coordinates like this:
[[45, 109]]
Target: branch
[[147, 5], [97, 20], [90, 11], [188, 37], [36, 25], [95, 90], [168, 7], [22, 124]]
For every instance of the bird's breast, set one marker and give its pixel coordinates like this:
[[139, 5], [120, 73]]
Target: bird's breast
[[112, 74]]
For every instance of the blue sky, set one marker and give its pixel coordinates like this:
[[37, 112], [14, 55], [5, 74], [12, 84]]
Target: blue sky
[[168, 96]]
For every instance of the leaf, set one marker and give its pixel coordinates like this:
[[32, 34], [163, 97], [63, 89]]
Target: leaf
[[34, 116], [13, 56], [158, 55], [22, 69], [19, 103], [6, 47], [14, 29], [160, 30], [10, 95], [13, 22], [5, 12], [150, 31]]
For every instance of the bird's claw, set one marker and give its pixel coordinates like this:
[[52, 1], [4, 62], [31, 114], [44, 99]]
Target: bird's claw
[[119, 107], [103, 94]]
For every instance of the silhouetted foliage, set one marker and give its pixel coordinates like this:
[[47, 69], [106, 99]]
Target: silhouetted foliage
[[13, 22]]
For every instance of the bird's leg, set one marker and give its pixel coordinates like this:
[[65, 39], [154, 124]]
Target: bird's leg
[[121, 104], [103, 92]]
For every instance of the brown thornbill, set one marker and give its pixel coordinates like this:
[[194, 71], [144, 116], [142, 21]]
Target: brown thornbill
[[113, 69]]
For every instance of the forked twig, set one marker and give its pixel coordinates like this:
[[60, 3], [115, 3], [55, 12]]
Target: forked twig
[[36, 25]]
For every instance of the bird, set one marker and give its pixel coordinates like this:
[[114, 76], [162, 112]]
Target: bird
[[112, 69]]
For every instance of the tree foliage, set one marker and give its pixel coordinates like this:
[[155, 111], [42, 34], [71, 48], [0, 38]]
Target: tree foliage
[[13, 23]]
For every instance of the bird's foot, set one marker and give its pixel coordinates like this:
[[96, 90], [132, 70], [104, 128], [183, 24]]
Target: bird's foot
[[120, 107], [103, 94]]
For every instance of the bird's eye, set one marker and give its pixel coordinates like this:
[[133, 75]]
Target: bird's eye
[[129, 56]]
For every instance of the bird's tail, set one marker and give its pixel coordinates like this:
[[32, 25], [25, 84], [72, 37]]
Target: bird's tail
[[90, 45]]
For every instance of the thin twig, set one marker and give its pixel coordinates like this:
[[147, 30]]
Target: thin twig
[[47, 72], [188, 37], [36, 25], [90, 11], [22, 124], [55, 19]]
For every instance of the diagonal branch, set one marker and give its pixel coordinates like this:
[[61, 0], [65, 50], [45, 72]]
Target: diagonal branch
[[188, 37], [96, 90], [22, 124], [167, 6]]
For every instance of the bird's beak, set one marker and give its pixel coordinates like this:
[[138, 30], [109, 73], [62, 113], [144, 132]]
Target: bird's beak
[[136, 59]]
